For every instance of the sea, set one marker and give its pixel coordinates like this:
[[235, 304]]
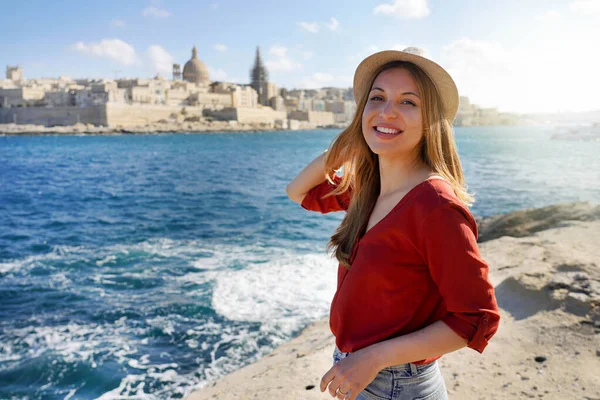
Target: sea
[[146, 266]]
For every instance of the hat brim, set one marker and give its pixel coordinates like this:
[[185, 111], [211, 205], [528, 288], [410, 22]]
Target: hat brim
[[441, 79]]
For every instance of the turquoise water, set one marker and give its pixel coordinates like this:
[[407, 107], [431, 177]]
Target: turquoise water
[[143, 266]]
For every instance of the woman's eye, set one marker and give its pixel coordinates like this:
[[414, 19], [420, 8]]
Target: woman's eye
[[412, 103], [376, 98]]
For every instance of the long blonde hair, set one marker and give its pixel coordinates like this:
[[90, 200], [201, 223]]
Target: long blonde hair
[[361, 166]]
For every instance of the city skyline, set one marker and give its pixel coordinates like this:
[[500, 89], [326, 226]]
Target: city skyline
[[537, 59]]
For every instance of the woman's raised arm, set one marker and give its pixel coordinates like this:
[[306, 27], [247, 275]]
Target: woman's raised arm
[[308, 178]]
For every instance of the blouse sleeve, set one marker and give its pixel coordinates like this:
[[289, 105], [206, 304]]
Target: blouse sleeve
[[461, 275], [314, 201]]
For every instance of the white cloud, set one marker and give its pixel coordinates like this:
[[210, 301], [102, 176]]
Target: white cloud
[[217, 74], [344, 81], [118, 23], [399, 47], [155, 12], [278, 51], [357, 57], [334, 24], [549, 16], [214, 6], [362, 54], [404, 9], [114, 49], [321, 79], [524, 79], [280, 61], [480, 69], [316, 81], [587, 7], [161, 60], [423, 51], [307, 55], [220, 47], [311, 27]]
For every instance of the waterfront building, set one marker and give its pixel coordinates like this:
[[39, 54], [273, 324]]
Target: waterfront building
[[195, 71], [316, 118], [14, 73], [176, 72], [259, 78], [65, 101], [259, 81]]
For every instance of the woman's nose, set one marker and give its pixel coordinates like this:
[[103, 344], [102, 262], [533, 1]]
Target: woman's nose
[[388, 111]]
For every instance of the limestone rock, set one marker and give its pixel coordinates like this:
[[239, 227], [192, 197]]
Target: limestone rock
[[525, 222]]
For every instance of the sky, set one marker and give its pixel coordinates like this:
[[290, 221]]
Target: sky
[[516, 55]]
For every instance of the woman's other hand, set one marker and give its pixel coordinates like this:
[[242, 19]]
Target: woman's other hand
[[352, 373]]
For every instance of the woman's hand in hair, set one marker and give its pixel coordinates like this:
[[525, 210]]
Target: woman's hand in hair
[[334, 164]]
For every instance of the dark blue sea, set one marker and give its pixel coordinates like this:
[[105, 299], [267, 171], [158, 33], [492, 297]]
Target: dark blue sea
[[143, 266]]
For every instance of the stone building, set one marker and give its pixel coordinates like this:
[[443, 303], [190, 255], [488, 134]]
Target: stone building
[[14, 73], [21, 97], [277, 103], [242, 95], [211, 101], [177, 96], [195, 71], [265, 115], [343, 110], [144, 91], [259, 77], [176, 72], [59, 98], [259, 81], [99, 93], [470, 114], [66, 101], [317, 118]]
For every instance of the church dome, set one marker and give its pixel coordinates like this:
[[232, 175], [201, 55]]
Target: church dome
[[194, 70]]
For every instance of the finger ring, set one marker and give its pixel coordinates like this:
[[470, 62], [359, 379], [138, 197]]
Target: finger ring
[[343, 394]]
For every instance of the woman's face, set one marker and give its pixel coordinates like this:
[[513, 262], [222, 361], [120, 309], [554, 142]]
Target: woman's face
[[391, 121]]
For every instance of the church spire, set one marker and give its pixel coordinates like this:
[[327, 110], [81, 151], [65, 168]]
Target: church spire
[[258, 59], [258, 74]]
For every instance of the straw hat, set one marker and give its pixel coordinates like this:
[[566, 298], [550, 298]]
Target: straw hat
[[442, 80]]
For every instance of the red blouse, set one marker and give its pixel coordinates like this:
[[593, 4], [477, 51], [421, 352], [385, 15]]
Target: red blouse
[[418, 265]]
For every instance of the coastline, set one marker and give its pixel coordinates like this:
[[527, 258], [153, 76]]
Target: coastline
[[543, 263], [194, 127], [155, 128]]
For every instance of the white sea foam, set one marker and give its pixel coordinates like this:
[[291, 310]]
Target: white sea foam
[[108, 259], [104, 256], [131, 387], [283, 293], [62, 253], [28, 262], [202, 255], [164, 323], [278, 288], [74, 342], [6, 267], [70, 394]]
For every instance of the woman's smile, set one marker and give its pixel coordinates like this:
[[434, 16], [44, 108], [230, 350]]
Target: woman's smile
[[387, 132]]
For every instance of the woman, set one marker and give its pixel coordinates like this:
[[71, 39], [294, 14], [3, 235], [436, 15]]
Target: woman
[[412, 285]]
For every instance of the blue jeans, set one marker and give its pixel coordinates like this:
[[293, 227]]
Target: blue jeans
[[403, 382]]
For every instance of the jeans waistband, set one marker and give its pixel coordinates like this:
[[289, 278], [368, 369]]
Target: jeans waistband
[[413, 368]]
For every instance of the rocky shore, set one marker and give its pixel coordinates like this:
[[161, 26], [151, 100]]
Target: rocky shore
[[157, 128], [545, 266]]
